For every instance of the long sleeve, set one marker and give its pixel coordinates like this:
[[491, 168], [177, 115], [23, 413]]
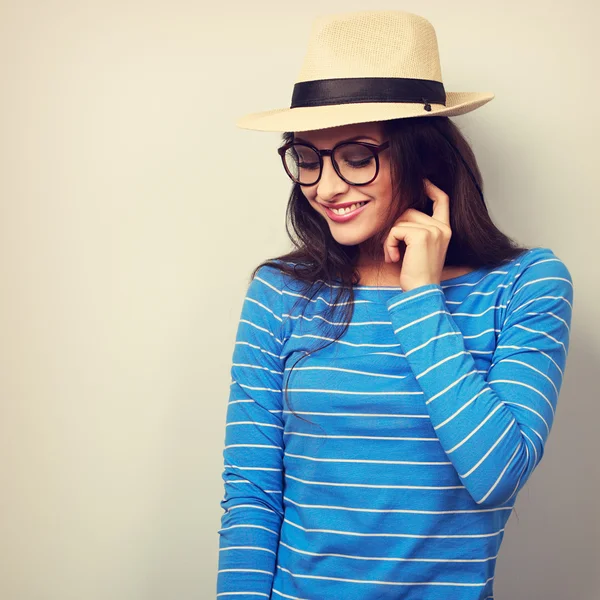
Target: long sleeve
[[253, 453], [493, 426]]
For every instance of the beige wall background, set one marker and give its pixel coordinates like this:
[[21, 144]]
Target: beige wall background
[[132, 212]]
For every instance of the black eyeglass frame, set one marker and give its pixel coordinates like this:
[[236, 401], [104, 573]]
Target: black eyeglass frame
[[374, 148]]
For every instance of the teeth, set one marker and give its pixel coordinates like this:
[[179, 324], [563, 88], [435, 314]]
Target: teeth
[[343, 211]]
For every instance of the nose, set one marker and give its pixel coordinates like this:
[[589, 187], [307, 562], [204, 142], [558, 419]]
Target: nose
[[330, 184]]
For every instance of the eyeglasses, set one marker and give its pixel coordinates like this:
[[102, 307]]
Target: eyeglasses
[[357, 163]]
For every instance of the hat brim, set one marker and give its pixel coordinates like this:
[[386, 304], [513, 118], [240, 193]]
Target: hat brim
[[321, 117]]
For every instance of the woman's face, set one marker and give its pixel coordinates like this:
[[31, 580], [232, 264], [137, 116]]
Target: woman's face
[[331, 191]]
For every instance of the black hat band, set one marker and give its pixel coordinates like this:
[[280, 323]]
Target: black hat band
[[352, 90]]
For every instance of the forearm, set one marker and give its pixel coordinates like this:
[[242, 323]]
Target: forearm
[[492, 425], [249, 537]]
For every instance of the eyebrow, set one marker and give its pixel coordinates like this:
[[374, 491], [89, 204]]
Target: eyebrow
[[352, 139]]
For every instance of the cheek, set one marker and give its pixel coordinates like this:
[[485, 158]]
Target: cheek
[[382, 196], [385, 181], [384, 193]]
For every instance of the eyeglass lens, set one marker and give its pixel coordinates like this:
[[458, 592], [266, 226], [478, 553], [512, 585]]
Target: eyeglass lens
[[356, 163]]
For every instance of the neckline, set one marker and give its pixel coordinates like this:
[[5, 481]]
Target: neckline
[[459, 279]]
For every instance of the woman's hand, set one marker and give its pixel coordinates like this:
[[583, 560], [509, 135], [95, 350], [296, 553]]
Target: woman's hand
[[426, 238]]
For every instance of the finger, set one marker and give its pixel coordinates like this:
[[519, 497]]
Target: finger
[[388, 258], [399, 232], [441, 202], [387, 250], [390, 246], [416, 216], [433, 228]]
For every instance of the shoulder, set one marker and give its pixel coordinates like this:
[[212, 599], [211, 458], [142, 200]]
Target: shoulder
[[269, 281], [540, 266], [540, 280], [272, 275], [269, 276], [544, 259]]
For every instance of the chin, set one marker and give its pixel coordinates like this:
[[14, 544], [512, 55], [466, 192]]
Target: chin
[[349, 239]]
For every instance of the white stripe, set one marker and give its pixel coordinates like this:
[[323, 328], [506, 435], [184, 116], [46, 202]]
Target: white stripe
[[247, 548], [437, 312], [490, 330], [500, 346], [400, 535], [441, 362], [499, 477], [550, 313], [377, 486], [384, 393], [395, 510], [533, 281], [475, 315], [520, 362], [333, 414], [528, 387], [249, 366], [317, 368], [265, 282], [321, 337], [521, 476], [252, 446], [243, 343], [244, 571], [388, 323], [269, 510], [254, 423], [533, 446], [535, 412], [519, 326], [294, 294], [264, 307], [386, 558], [252, 387], [227, 465], [478, 464], [454, 383], [251, 401], [369, 461], [248, 527], [433, 339], [362, 437], [436, 427], [492, 292], [374, 581], [476, 428], [536, 299], [414, 297], [287, 595], [243, 594], [262, 329]]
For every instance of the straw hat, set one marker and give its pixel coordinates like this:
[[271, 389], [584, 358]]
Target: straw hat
[[367, 66]]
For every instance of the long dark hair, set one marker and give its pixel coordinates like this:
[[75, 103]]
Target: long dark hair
[[432, 148]]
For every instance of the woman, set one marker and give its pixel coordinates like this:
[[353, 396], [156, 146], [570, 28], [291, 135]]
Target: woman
[[395, 377]]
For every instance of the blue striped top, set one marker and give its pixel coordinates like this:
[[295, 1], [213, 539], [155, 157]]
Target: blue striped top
[[411, 438]]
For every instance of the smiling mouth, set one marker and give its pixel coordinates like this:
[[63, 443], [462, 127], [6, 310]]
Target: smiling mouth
[[347, 209]]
